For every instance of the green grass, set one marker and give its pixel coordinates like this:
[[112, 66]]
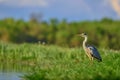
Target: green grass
[[59, 63]]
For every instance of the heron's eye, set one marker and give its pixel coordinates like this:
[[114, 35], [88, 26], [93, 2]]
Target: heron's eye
[[85, 34]]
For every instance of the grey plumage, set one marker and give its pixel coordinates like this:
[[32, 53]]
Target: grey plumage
[[94, 52]]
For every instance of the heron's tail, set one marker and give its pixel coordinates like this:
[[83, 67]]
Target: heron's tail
[[100, 60]]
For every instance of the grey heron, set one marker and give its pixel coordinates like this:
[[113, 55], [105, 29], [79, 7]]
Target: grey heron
[[90, 51]]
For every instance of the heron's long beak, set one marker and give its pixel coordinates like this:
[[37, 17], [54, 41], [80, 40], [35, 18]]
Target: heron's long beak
[[79, 34]]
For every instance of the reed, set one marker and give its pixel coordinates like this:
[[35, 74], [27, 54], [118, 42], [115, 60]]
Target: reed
[[59, 63]]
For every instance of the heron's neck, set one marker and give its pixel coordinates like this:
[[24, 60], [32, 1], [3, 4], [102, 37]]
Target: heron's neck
[[84, 42]]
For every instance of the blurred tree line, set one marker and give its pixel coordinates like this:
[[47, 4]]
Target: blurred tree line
[[104, 33]]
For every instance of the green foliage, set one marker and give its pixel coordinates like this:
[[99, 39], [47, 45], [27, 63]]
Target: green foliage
[[74, 65], [60, 63], [36, 75], [103, 33]]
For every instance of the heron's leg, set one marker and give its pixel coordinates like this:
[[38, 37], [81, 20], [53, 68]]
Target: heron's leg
[[91, 60]]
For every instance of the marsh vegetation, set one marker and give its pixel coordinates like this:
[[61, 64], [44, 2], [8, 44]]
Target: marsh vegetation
[[43, 62]]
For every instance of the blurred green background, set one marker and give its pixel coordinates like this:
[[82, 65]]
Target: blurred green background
[[104, 33]]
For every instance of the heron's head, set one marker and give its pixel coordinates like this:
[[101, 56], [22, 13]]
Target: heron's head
[[83, 35]]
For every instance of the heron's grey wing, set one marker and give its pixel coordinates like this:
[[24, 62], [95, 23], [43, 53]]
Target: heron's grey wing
[[94, 52]]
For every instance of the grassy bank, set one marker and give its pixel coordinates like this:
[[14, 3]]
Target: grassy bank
[[58, 63]]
